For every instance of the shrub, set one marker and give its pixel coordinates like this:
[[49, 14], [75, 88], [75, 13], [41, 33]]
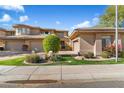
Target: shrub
[[89, 55], [121, 54], [59, 58], [33, 58], [28, 58], [55, 58], [51, 43], [106, 54], [110, 49]]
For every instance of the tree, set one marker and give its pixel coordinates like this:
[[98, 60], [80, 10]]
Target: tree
[[51, 43], [108, 18]]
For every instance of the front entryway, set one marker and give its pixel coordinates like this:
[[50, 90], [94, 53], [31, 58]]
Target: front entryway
[[106, 42], [1, 48], [76, 46], [25, 47]]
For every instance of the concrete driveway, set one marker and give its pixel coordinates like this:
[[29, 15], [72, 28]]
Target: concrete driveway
[[68, 73]]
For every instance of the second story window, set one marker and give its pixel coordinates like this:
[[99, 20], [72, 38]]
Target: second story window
[[47, 33], [22, 31], [28, 31]]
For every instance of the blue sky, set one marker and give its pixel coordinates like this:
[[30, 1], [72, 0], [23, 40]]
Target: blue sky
[[65, 17]]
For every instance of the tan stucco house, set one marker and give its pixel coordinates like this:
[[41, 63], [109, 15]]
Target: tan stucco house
[[28, 38], [94, 39], [82, 40]]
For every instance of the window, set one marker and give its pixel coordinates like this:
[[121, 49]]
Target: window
[[20, 31], [106, 41], [28, 31], [23, 30], [46, 32]]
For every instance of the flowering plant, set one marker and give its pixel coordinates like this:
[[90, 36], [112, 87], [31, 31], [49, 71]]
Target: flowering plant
[[111, 49]]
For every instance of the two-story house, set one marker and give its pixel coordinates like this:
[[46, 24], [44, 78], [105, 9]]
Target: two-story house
[[28, 38]]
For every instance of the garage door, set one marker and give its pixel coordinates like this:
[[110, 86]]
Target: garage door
[[36, 45], [76, 46], [13, 45]]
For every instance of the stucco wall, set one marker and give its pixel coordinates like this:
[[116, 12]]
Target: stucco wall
[[2, 43], [35, 31], [87, 43], [60, 34], [2, 33], [76, 44], [98, 44]]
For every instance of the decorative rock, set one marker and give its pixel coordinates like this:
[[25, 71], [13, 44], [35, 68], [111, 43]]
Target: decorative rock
[[33, 52], [79, 58], [50, 54]]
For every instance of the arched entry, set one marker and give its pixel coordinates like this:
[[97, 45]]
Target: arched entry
[[1, 48], [25, 47]]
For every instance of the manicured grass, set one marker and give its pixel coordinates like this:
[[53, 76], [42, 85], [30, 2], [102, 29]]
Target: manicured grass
[[68, 60], [15, 62], [65, 60]]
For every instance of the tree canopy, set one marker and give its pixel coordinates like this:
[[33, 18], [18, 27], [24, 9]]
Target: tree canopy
[[51, 43], [108, 18]]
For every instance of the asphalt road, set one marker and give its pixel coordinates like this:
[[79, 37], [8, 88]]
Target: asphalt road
[[88, 76], [102, 83]]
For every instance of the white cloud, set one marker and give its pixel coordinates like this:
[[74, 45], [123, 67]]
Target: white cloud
[[87, 23], [13, 7], [95, 20], [5, 18], [23, 18], [57, 22], [82, 25]]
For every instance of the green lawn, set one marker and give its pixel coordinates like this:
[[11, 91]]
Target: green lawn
[[73, 61], [65, 60], [15, 62]]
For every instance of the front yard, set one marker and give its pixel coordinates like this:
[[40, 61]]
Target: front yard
[[65, 60], [13, 62]]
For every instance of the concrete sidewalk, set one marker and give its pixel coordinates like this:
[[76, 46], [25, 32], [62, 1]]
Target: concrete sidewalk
[[72, 76], [77, 72]]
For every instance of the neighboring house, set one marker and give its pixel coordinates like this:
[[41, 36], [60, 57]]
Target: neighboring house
[[28, 38], [4, 33], [95, 39]]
